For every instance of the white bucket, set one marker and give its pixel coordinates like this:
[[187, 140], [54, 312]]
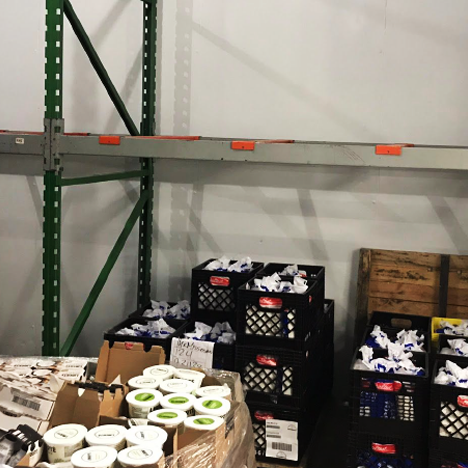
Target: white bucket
[[142, 401], [146, 435], [63, 441], [139, 455], [94, 457], [110, 435]]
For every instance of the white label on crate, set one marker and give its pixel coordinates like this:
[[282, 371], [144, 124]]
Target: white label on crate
[[191, 353], [282, 439]]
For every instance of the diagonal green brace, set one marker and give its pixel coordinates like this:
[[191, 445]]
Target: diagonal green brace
[[98, 66], [103, 276]]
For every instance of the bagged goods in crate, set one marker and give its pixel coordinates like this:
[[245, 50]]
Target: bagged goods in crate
[[225, 264], [179, 311], [274, 283], [406, 340], [153, 329], [457, 347], [397, 362], [452, 375], [219, 333], [447, 328], [386, 399]]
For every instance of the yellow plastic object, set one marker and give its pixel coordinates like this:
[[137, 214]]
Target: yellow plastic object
[[436, 324]]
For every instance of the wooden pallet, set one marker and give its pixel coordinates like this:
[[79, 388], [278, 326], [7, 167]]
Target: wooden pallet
[[410, 283]]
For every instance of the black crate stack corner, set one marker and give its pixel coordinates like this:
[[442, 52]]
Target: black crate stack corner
[[285, 358], [448, 414], [215, 299], [390, 412]]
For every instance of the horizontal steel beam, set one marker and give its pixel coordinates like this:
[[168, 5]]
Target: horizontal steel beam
[[299, 152], [102, 178], [18, 143]]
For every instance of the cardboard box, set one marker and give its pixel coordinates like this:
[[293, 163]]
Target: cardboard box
[[10, 419], [21, 401], [85, 406], [126, 360]]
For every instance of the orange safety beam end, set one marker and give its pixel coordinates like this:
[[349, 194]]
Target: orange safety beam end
[[391, 150], [243, 145], [109, 140]]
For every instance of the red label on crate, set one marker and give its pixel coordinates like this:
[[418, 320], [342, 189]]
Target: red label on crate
[[310, 299], [263, 416], [392, 387], [219, 281], [270, 303], [462, 401], [267, 360], [128, 345], [388, 449]]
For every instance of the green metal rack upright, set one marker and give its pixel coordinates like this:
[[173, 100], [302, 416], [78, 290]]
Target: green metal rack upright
[[53, 166]]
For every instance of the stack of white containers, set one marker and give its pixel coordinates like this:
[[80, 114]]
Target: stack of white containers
[[163, 395]]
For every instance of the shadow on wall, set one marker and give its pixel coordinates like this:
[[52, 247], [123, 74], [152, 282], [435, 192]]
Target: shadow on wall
[[183, 67]]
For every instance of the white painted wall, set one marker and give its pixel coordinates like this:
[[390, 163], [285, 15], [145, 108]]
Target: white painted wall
[[347, 70]]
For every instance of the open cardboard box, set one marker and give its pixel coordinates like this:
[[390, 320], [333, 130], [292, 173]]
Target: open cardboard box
[[126, 360]]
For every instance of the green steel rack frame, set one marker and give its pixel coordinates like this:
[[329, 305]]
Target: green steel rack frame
[[54, 143], [53, 180]]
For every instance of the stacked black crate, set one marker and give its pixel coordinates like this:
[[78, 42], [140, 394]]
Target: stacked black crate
[[215, 299], [118, 333], [449, 407], [389, 411], [285, 358]]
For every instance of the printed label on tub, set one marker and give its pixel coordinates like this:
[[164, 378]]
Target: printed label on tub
[[191, 353], [282, 439]]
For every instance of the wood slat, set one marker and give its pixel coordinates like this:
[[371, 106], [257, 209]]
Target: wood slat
[[405, 259], [404, 291], [424, 309], [457, 296], [458, 279], [458, 262], [362, 294], [424, 276], [457, 311]]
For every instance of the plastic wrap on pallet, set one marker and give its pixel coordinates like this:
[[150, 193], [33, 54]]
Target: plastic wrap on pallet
[[213, 451]]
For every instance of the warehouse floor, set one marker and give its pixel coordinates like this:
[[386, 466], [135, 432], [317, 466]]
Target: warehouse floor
[[329, 445]]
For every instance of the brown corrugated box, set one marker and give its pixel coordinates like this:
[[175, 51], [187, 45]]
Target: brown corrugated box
[[126, 360]]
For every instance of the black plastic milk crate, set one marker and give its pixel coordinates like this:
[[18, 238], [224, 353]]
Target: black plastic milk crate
[[329, 321], [223, 354], [287, 320], [449, 413], [444, 459], [443, 343], [392, 335], [216, 291], [180, 327], [396, 404], [313, 272], [260, 413], [401, 321], [281, 376], [375, 451]]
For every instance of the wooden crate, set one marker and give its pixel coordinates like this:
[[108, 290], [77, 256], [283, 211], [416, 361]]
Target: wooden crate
[[410, 283]]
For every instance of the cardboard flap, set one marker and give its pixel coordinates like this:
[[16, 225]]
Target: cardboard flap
[[126, 360], [74, 405]]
